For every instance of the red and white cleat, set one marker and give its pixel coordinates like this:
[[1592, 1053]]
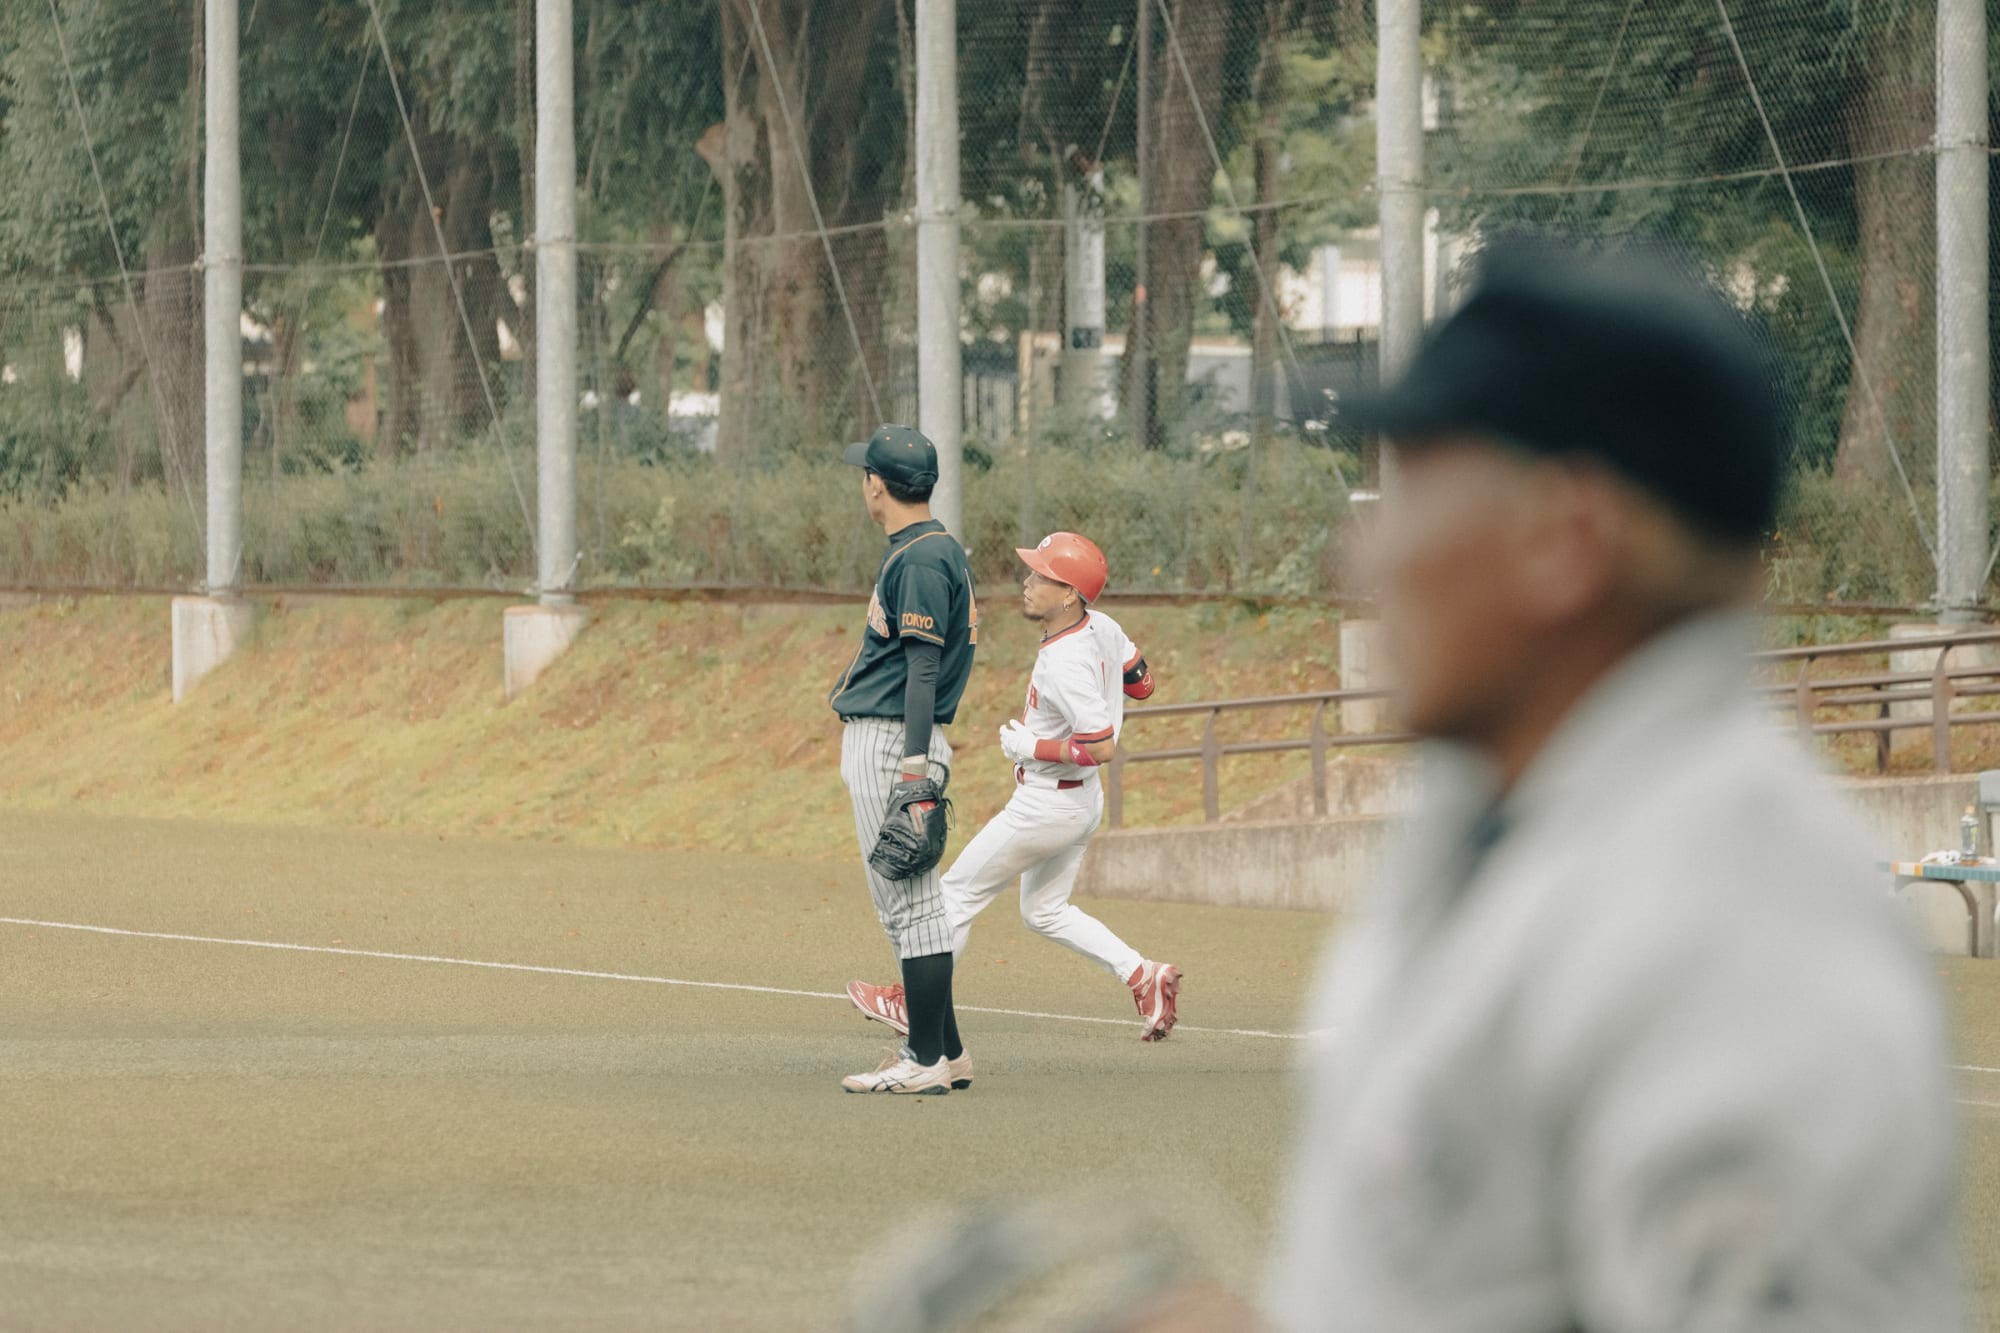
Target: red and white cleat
[[1155, 988], [885, 1005]]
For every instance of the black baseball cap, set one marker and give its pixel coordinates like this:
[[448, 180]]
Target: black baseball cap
[[1628, 359], [897, 453]]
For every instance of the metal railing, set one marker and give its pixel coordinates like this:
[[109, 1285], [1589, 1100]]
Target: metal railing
[[1317, 741], [1804, 695], [1881, 691]]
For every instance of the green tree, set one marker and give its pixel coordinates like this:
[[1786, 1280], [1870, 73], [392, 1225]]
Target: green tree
[[137, 75], [813, 81], [1546, 101]]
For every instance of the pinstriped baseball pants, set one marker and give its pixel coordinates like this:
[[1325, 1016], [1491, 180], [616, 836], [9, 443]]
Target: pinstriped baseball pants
[[911, 910]]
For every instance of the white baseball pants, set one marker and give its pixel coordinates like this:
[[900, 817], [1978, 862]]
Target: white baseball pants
[[1040, 838]]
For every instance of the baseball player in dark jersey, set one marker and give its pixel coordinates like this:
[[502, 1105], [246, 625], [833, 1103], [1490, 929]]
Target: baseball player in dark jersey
[[903, 685]]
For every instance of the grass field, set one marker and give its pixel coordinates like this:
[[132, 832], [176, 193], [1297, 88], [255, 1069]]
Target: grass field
[[209, 1136], [199, 1135]]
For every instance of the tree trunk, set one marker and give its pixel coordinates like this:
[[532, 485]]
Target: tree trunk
[[524, 140], [112, 368], [171, 296], [436, 392], [787, 342], [735, 154], [666, 352], [1181, 180], [281, 417], [1351, 30], [1894, 111], [1270, 95]]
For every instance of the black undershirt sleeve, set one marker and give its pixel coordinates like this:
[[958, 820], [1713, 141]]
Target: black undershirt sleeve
[[919, 694]]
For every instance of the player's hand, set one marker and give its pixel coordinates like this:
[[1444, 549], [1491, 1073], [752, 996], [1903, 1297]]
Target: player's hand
[[1017, 742], [914, 770]]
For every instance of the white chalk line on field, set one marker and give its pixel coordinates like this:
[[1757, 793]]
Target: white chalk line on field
[[667, 981], [597, 976]]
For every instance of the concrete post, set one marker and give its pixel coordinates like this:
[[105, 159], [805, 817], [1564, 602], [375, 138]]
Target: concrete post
[[1139, 346], [207, 630], [555, 302], [1399, 155], [1083, 289], [940, 359], [534, 636], [1399, 152], [1362, 668], [1962, 353], [222, 296]]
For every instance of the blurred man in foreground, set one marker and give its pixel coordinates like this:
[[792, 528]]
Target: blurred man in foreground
[[1631, 1037]]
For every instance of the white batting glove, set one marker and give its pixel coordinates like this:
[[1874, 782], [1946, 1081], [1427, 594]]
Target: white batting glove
[[1017, 742]]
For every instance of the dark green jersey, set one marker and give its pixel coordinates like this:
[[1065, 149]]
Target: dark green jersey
[[922, 591]]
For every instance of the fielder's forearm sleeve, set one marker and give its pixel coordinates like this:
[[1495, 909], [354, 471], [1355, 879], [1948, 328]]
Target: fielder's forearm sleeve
[[919, 694]]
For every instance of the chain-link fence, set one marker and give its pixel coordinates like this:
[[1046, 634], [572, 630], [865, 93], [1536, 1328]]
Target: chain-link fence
[[747, 284], [1790, 147]]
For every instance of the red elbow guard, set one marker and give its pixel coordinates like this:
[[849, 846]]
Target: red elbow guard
[[1138, 680]]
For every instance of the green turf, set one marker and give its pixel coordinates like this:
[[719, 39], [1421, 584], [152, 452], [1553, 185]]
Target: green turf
[[203, 1136], [209, 1137]]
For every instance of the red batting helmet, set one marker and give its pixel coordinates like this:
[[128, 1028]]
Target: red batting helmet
[[1070, 558]]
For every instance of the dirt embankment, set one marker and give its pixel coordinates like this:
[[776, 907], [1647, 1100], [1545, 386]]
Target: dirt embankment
[[697, 727]]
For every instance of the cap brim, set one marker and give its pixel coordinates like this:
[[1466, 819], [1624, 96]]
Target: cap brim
[[857, 454], [1395, 412]]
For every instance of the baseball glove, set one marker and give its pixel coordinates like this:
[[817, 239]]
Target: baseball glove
[[912, 839]]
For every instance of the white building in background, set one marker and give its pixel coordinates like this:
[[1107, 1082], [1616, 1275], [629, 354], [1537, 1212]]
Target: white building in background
[[1335, 298], [1339, 295]]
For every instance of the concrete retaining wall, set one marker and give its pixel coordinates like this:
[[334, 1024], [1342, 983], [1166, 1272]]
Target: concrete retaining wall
[[1322, 864], [1328, 864]]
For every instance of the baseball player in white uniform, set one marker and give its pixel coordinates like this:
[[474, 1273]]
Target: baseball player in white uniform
[[1086, 669]]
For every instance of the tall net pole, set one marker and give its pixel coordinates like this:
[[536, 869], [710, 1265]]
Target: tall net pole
[[222, 295], [1141, 348], [1399, 153], [1083, 286], [555, 302], [940, 362], [1962, 355]]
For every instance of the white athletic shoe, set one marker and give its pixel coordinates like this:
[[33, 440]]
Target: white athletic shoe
[[901, 1074], [883, 1004], [961, 1071]]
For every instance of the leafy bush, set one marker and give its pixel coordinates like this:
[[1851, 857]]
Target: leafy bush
[[1839, 542], [1169, 520], [1196, 518]]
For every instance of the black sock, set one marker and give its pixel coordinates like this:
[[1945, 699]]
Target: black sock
[[927, 992], [953, 1047]]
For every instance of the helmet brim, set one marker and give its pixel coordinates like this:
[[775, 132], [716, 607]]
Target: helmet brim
[[1038, 561]]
